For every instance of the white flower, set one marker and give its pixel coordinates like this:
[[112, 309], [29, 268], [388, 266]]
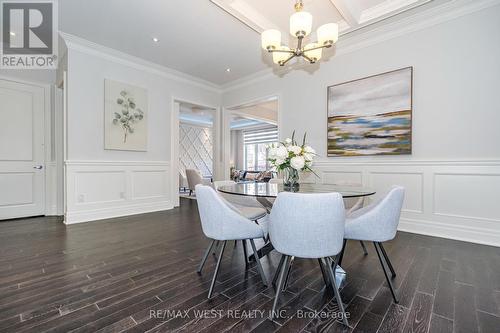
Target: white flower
[[272, 153], [297, 162], [281, 152], [288, 141], [308, 157], [279, 161], [295, 149], [309, 149]]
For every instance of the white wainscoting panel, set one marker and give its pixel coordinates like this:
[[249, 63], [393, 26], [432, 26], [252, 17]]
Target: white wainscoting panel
[[149, 184], [104, 189], [467, 195], [100, 186], [412, 182], [450, 199]]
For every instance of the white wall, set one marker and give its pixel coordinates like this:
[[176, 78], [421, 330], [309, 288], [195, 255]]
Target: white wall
[[453, 176], [106, 183]]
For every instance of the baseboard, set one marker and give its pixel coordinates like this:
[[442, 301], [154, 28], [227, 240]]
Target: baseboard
[[437, 229], [118, 211]]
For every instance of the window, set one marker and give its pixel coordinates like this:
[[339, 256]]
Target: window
[[255, 142]]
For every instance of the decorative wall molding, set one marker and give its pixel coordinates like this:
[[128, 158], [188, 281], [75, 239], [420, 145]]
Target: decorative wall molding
[[91, 48], [462, 205], [104, 189], [400, 26], [196, 149]]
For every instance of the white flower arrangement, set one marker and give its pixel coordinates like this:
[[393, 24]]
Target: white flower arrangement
[[289, 154]]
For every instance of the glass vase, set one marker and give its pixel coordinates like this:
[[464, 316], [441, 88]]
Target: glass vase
[[291, 179]]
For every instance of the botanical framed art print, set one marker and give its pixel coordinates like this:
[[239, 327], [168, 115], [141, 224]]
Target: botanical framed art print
[[125, 116]]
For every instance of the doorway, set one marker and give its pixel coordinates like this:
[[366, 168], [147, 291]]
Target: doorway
[[22, 150], [249, 129], [196, 148]]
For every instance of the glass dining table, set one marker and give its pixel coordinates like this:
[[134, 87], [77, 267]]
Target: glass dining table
[[266, 192]]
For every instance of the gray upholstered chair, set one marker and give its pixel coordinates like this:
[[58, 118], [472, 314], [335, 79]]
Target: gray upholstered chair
[[378, 223], [308, 226], [246, 206], [222, 223], [194, 178], [351, 205]]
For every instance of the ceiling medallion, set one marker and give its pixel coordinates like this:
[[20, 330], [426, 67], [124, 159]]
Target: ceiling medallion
[[300, 27]]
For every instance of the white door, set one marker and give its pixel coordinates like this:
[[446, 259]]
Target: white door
[[22, 169]]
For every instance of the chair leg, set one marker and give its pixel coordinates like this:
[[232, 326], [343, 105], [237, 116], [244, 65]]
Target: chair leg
[[324, 273], [257, 261], [331, 270], [285, 285], [216, 269], [278, 270], [216, 246], [364, 247], [205, 256], [387, 260], [245, 253], [280, 284], [389, 282], [190, 192], [342, 252]]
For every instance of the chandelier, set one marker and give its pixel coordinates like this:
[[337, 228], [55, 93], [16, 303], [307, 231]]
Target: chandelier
[[300, 27]]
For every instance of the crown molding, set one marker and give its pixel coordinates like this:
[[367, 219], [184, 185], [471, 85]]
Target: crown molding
[[85, 46], [352, 42]]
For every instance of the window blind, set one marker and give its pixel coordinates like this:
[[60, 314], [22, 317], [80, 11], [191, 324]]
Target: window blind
[[263, 135]]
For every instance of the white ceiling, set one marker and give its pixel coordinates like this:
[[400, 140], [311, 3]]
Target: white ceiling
[[200, 38]]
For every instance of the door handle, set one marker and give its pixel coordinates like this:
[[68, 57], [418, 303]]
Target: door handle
[[38, 167]]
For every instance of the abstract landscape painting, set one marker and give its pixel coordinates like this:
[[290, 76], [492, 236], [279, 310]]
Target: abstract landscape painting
[[371, 116]]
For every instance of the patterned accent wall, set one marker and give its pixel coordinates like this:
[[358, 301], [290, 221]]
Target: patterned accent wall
[[196, 148]]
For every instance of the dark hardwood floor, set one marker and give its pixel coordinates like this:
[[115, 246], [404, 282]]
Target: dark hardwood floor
[[124, 274]]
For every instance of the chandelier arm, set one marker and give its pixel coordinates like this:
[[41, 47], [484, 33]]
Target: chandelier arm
[[287, 60], [282, 51], [318, 47], [308, 59]]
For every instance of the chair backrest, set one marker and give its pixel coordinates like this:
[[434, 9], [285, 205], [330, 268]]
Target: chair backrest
[[218, 220], [193, 178], [381, 218], [308, 225]]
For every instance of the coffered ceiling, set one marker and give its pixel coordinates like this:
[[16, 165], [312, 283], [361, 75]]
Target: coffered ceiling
[[215, 40], [349, 14]]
